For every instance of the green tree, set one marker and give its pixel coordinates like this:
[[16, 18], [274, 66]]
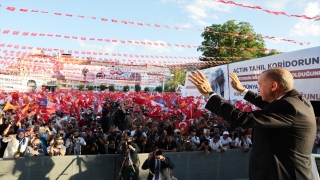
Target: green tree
[[90, 88], [158, 89], [137, 87], [103, 87], [81, 87], [111, 88], [146, 89], [224, 47], [126, 88], [178, 78]]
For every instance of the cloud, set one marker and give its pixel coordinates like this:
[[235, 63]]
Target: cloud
[[201, 11], [276, 4], [308, 27], [154, 48], [97, 48], [185, 25]]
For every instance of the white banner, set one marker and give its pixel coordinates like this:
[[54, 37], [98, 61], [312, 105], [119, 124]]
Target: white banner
[[304, 66], [218, 78], [21, 84]]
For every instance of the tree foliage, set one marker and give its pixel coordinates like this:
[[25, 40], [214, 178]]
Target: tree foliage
[[146, 89], [111, 88], [219, 44], [178, 78], [126, 88], [81, 87], [137, 88], [158, 89], [103, 87], [90, 87]]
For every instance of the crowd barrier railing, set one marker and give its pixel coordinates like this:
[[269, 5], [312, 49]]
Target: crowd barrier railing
[[232, 164]]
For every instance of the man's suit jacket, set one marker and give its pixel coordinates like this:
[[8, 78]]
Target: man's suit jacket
[[166, 165], [283, 134], [134, 154]]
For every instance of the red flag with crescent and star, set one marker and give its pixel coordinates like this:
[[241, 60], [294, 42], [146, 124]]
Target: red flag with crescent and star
[[183, 126]]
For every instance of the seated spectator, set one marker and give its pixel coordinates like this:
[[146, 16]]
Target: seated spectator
[[186, 144], [17, 144], [177, 138], [205, 146], [57, 148], [170, 145], [34, 150], [194, 139], [216, 145], [74, 144], [243, 142], [225, 139]]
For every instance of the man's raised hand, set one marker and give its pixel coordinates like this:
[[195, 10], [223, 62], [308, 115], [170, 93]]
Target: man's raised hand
[[235, 82], [201, 82]]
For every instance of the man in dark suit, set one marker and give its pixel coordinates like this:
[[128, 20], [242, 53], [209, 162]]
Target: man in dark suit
[[284, 128], [159, 166], [130, 159]]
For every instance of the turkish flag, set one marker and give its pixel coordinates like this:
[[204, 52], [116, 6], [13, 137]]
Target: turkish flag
[[104, 19], [34, 10], [11, 8], [140, 24], [15, 32], [114, 20], [70, 15], [157, 25], [155, 111], [6, 31], [23, 10], [183, 126]]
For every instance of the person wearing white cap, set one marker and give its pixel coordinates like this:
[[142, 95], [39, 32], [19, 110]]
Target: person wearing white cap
[[225, 139]]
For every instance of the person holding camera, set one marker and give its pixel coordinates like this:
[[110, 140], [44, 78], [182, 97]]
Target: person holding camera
[[159, 167], [186, 145], [113, 140], [34, 150], [74, 143], [205, 146], [131, 162], [56, 148]]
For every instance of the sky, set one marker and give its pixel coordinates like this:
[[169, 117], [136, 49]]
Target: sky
[[191, 14]]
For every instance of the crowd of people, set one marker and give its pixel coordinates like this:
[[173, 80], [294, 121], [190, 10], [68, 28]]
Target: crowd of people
[[91, 132]]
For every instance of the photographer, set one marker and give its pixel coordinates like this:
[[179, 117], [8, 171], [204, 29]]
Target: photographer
[[159, 166], [205, 146], [74, 143], [118, 113], [186, 145], [113, 141], [131, 162], [97, 141], [150, 142], [34, 150], [56, 148]]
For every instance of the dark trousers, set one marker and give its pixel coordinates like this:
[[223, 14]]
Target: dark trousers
[[126, 170]]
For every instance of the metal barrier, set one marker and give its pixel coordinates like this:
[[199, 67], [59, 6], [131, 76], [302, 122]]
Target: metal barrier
[[232, 164]]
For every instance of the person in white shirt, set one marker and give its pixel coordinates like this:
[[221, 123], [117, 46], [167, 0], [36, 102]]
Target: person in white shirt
[[216, 145], [225, 139], [74, 143], [56, 148], [17, 144], [194, 139], [243, 142]]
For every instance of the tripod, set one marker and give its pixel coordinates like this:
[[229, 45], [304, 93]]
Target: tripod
[[126, 160]]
